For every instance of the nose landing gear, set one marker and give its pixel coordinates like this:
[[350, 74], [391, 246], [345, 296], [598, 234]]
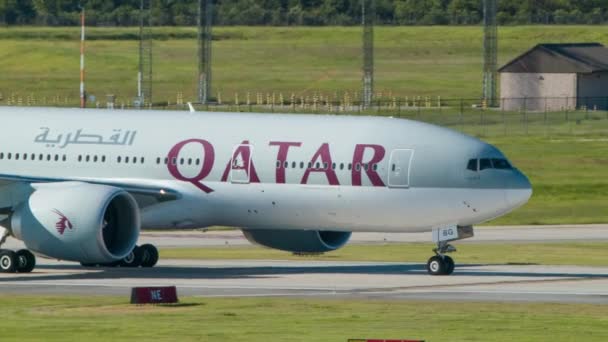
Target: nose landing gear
[[440, 263]]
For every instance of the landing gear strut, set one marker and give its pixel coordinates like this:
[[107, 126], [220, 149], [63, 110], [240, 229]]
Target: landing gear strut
[[22, 261], [440, 263]]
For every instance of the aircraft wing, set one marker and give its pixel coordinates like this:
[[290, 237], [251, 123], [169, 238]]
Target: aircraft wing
[[146, 192]]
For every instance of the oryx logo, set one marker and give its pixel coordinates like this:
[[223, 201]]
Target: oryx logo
[[63, 223]]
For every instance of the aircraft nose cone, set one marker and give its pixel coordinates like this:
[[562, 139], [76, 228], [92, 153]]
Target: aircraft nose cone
[[519, 190]]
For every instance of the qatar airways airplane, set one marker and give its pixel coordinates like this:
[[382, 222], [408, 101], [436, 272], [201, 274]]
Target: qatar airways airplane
[[78, 185]]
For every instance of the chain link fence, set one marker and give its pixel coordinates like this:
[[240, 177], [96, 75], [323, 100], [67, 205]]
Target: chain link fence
[[515, 116]]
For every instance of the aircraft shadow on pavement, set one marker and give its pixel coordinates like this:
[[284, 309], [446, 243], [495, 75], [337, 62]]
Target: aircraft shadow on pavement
[[42, 272]]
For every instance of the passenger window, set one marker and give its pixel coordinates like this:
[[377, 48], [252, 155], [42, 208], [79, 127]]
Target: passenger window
[[56, 157], [501, 164], [126, 160], [309, 165], [293, 165], [166, 161], [48, 157], [333, 166], [484, 164], [158, 160], [366, 167], [358, 167], [80, 158], [25, 156], [64, 158], [2, 155], [16, 156], [341, 166], [198, 161], [393, 167], [95, 159], [33, 156], [278, 164], [189, 161], [317, 165], [375, 167], [350, 166], [87, 158], [325, 166], [301, 165], [40, 156], [174, 161], [286, 165], [472, 165]]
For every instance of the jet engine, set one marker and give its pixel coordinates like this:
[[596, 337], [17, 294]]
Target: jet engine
[[76, 221], [298, 241]]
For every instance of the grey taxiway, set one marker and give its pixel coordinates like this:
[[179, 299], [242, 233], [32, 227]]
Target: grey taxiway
[[393, 281]]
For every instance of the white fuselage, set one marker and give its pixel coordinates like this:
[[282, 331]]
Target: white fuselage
[[266, 171]]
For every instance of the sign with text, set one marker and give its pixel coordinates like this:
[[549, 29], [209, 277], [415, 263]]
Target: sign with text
[[154, 295], [377, 340]]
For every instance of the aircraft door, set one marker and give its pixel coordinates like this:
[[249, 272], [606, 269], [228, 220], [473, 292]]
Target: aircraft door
[[240, 165], [399, 167]]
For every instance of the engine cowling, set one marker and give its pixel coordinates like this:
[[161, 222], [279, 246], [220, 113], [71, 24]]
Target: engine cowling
[[77, 221], [298, 241]]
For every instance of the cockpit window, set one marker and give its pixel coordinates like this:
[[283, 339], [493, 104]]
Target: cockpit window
[[485, 163], [501, 164], [472, 165]]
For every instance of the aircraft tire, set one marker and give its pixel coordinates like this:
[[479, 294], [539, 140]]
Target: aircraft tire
[[450, 265], [26, 261], [436, 266], [8, 261], [134, 258], [149, 255]]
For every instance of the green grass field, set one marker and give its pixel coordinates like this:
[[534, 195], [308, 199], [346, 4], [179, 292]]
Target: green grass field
[[569, 177], [93, 318], [590, 254], [410, 61], [565, 154]]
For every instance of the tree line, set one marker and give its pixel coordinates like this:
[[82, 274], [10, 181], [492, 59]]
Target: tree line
[[302, 12]]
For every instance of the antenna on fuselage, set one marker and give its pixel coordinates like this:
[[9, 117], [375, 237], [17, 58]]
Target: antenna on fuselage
[[192, 110]]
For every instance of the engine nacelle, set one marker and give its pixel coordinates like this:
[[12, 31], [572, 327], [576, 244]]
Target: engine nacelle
[[77, 221], [298, 241]]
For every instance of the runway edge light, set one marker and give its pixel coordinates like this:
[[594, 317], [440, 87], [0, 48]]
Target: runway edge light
[[154, 295]]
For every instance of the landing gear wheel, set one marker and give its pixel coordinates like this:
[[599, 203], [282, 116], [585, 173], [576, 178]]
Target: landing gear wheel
[[149, 255], [450, 265], [8, 261], [26, 261], [134, 258], [436, 266]]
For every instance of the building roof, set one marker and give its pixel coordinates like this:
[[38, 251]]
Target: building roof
[[560, 58]]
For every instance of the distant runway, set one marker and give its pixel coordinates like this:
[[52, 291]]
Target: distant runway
[[362, 280], [392, 281], [497, 234]]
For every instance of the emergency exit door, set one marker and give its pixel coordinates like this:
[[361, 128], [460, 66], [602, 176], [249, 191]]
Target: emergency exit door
[[399, 167]]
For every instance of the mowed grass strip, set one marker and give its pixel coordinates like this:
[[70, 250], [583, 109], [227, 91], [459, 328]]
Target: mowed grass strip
[[569, 176], [96, 318], [589, 254], [410, 61]]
